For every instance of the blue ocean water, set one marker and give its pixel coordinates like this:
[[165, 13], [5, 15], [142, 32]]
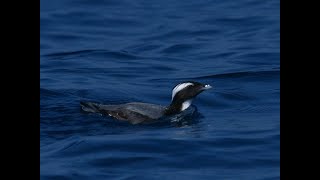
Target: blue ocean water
[[116, 51]]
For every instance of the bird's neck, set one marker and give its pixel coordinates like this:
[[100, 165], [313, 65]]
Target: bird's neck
[[177, 106]]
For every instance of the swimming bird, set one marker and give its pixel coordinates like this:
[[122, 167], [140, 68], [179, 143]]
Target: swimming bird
[[138, 112]]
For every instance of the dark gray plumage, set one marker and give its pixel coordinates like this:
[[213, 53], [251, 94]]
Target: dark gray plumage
[[137, 112]]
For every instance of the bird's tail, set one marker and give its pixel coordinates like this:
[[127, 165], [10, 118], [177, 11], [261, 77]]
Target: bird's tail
[[89, 107]]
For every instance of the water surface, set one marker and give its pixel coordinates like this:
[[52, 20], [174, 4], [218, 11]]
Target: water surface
[[120, 51]]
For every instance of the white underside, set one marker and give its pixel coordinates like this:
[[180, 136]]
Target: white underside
[[186, 104]]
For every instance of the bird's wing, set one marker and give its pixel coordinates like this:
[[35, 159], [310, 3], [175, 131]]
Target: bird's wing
[[133, 112]]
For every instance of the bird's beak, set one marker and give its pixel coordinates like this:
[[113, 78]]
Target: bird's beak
[[206, 87]]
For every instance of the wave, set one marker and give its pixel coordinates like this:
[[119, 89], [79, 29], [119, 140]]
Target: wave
[[92, 52], [241, 74]]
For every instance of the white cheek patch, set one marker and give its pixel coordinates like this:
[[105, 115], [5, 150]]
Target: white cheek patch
[[186, 104], [179, 87]]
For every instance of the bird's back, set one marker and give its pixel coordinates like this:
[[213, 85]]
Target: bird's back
[[134, 112]]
